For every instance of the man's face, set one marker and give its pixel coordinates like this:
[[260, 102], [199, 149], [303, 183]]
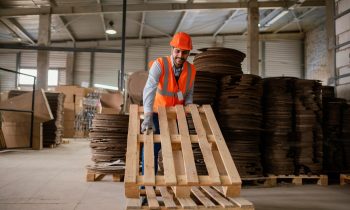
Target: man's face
[[180, 56]]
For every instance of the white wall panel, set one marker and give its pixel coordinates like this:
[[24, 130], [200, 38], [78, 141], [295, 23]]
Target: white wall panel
[[106, 69], [134, 59], [7, 79], [82, 68], [283, 58]]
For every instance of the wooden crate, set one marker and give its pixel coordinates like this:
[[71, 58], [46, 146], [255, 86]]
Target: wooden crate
[[201, 198], [344, 178], [178, 159]]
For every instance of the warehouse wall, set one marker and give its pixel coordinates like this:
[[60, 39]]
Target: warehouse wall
[[283, 57], [7, 79], [316, 54], [342, 32]]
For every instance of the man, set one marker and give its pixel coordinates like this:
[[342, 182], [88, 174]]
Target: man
[[170, 82]]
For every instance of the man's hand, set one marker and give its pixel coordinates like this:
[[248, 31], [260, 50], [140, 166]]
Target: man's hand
[[147, 123]]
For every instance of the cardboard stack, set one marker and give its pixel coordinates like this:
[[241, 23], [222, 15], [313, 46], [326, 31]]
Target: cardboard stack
[[72, 106]]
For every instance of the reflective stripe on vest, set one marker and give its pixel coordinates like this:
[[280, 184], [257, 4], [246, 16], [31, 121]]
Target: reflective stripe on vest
[[164, 90]]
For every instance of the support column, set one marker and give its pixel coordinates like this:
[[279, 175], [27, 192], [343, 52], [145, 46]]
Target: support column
[[330, 28], [70, 68], [43, 56], [92, 69], [253, 37]]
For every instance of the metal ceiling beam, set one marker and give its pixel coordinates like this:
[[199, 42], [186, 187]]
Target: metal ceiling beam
[[66, 49], [96, 9], [14, 26], [142, 22], [294, 20], [150, 27], [232, 16], [266, 19], [182, 19], [64, 22], [103, 21]]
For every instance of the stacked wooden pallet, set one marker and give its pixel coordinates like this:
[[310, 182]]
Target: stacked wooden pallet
[[179, 165]]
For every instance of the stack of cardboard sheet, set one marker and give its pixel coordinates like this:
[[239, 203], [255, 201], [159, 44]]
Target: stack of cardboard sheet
[[219, 60], [53, 129], [16, 125], [278, 124], [205, 88], [240, 116], [2, 140], [108, 142], [308, 127]]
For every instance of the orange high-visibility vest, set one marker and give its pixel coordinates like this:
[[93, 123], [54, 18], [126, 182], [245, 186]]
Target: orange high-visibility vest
[[168, 88]]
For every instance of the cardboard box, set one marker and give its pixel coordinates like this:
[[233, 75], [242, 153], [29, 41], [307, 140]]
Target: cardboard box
[[109, 111]]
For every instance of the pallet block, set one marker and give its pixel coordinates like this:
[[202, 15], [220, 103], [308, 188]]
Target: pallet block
[[344, 179], [178, 160], [92, 176], [201, 198]]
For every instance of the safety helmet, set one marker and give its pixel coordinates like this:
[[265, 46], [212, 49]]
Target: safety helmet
[[182, 41]]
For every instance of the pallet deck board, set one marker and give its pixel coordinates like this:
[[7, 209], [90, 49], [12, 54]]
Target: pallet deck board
[[168, 159]]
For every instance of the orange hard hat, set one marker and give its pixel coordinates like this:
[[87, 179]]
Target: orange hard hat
[[182, 41]]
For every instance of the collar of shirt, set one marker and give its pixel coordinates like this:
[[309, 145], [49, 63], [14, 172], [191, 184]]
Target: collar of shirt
[[177, 71]]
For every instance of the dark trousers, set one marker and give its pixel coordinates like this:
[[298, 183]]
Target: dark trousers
[[157, 146]]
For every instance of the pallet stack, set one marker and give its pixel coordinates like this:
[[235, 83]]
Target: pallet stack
[[240, 117], [108, 145], [178, 187]]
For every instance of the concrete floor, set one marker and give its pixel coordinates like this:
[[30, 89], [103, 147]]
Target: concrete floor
[[54, 179]]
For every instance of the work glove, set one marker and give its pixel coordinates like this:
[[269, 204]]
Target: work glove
[[147, 123]]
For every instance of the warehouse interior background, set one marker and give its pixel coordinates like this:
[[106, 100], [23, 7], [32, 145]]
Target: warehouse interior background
[[283, 107]]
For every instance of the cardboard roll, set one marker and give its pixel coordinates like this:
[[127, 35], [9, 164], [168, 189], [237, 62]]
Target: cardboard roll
[[219, 69], [136, 83], [206, 90]]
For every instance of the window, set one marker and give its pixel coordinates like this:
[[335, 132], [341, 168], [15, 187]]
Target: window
[[52, 79]]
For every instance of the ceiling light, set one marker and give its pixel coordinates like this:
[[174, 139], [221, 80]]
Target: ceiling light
[[277, 17], [110, 28]]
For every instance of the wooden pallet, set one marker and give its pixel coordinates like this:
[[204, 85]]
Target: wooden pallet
[[201, 198], [344, 179], [296, 180], [178, 159], [92, 176]]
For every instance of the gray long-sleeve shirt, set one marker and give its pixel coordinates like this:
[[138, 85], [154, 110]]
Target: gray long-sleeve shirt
[[149, 92]]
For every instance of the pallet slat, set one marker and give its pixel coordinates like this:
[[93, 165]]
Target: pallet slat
[[151, 198], [168, 159], [167, 198], [149, 174], [217, 197], [202, 198], [205, 146], [186, 146], [230, 167], [132, 154]]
